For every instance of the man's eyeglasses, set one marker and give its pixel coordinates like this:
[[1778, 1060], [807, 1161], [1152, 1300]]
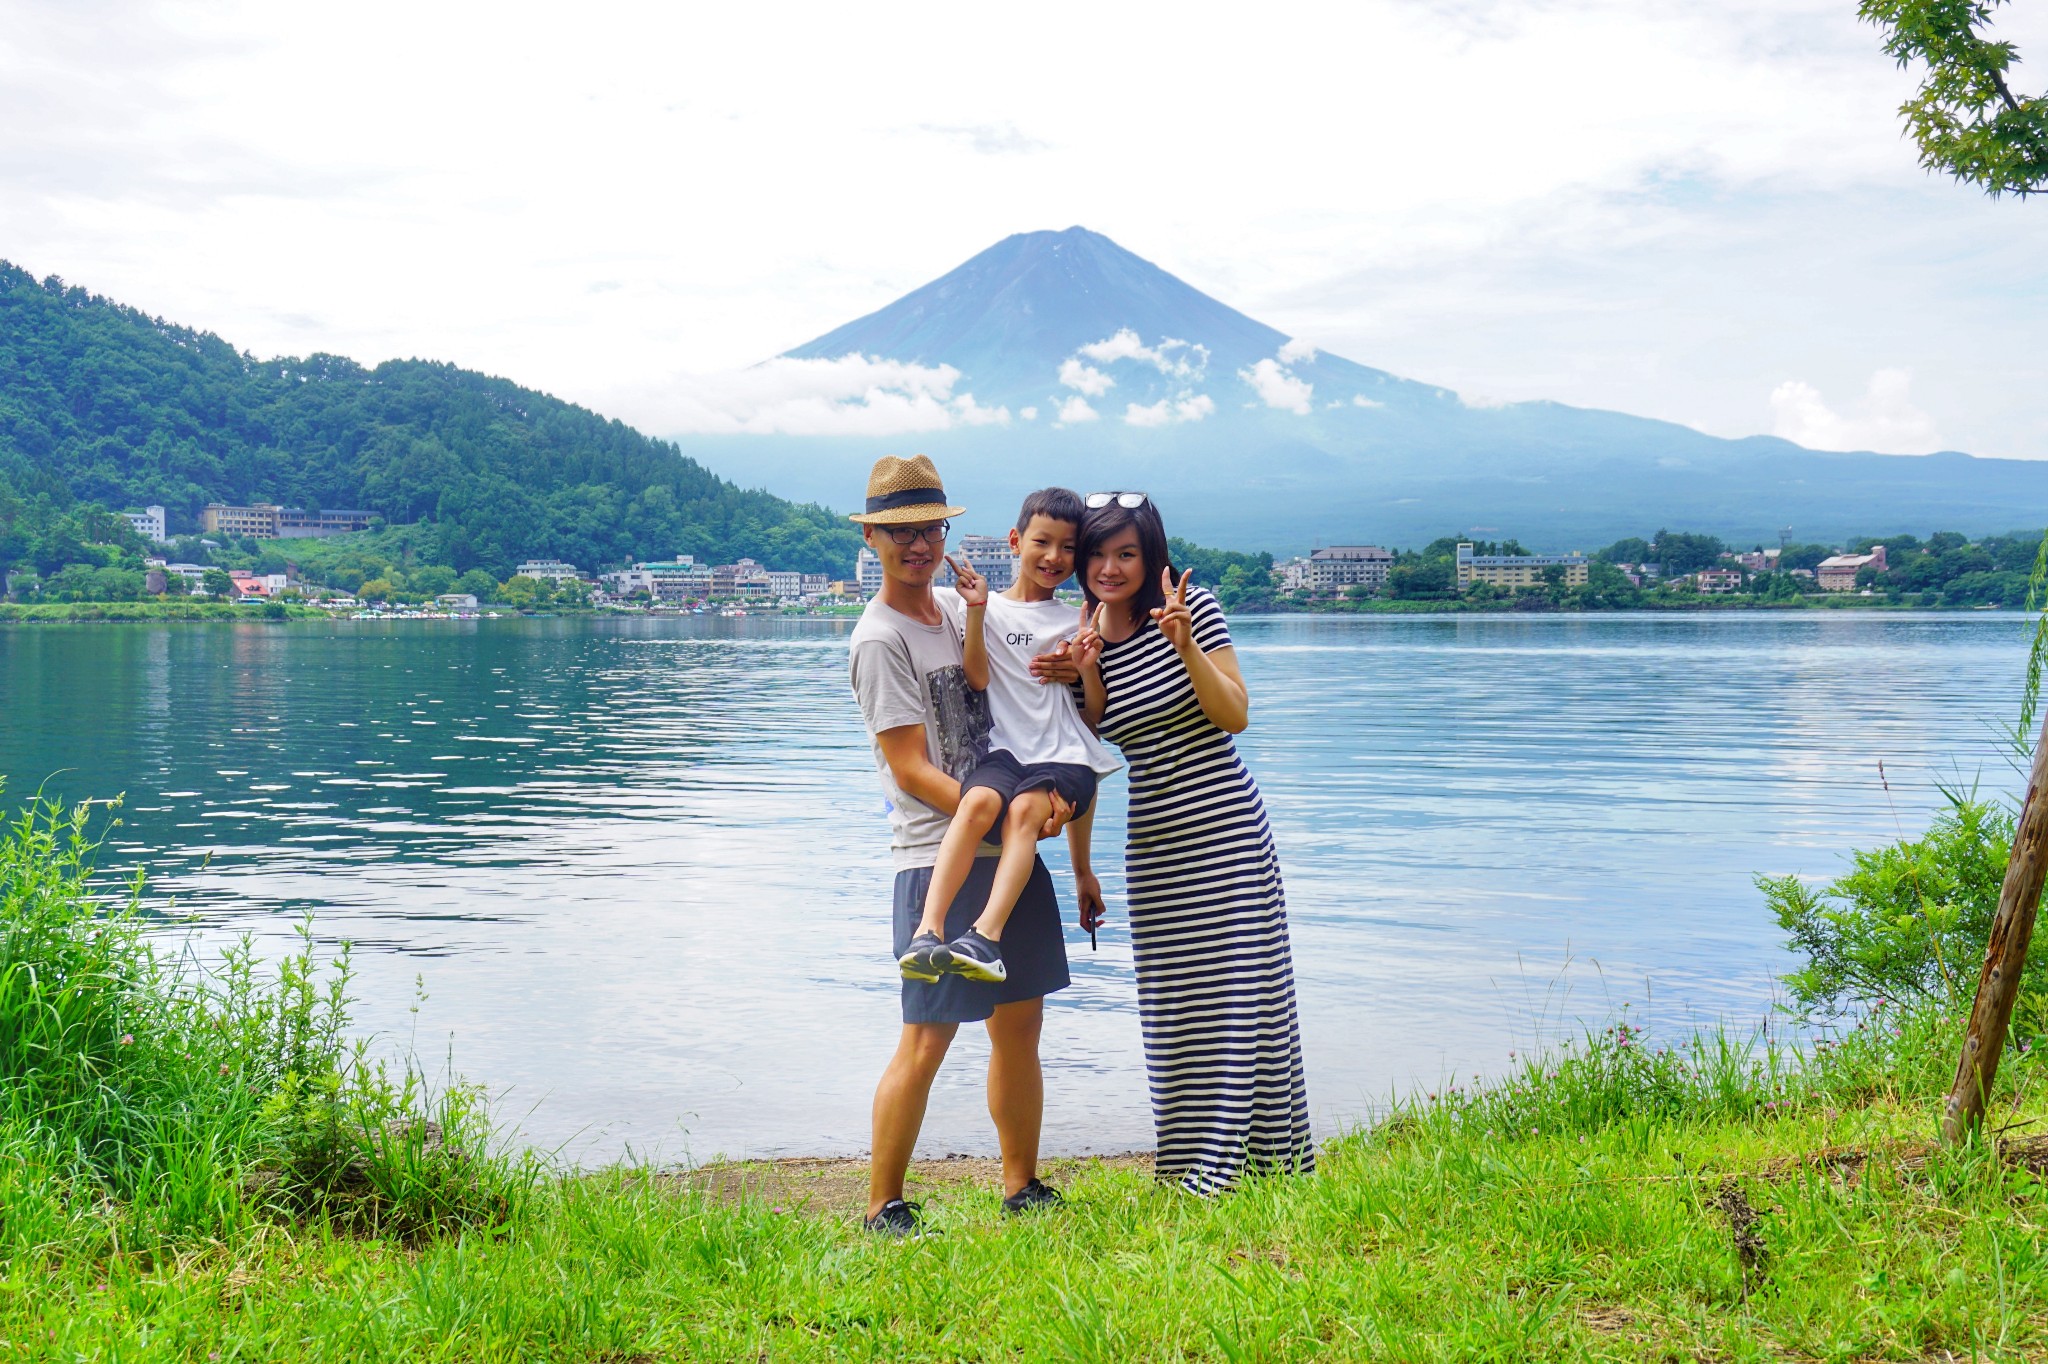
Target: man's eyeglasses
[[1097, 501], [910, 535]]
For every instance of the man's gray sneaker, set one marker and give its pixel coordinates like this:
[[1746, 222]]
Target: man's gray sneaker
[[1036, 1194], [897, 1218], [973, 956], [921, 961]]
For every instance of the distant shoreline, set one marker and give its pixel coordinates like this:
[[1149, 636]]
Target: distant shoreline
[[217, 613]]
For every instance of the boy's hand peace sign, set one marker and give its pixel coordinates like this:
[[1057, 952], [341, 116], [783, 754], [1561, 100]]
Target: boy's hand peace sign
[[973, 588], [1088, 639], [1176, 622]]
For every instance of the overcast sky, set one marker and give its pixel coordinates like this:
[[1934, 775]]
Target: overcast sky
[[1701, 212]]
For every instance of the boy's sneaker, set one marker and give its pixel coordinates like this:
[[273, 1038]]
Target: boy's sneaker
[[897, 1218], [1037, 1194], [973, 956], [921, 961]]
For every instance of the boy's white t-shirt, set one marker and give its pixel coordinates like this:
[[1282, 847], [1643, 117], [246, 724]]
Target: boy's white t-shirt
[[1037, 723]]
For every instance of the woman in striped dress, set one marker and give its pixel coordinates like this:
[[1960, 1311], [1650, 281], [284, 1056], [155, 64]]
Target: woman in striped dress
[[1208, 917]]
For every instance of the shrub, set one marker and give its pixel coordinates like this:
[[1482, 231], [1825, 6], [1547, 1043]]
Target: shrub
[[1909, 923], [190, 1100]]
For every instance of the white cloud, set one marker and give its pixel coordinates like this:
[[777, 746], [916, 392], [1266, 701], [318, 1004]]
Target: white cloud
[[972, 413], [853, 395], [1188, 407], [1172, 357], [1076, 410], [1483, 402], [1029, 414], [1278, 388], [1885, 420], [987, 139], [1086, 378], [1360, 400], [1297, 352]]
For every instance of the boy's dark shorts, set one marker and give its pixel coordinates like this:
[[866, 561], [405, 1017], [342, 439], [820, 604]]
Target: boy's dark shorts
[[1034, 948], [1001, 773]]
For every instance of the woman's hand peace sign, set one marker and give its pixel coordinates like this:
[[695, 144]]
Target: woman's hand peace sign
[[1176, 622], [973, 588]]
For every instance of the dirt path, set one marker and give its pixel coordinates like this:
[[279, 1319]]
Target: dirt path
[[839, 1188]]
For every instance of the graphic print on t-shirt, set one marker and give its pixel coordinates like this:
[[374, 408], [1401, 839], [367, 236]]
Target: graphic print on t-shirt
[[960, 715]]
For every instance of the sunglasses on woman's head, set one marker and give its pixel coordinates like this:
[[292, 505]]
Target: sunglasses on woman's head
[[1097, 501]]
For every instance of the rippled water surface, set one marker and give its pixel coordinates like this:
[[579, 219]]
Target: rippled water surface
[[640, 869]]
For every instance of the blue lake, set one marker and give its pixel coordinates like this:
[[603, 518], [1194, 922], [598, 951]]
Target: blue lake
[[569, 836]]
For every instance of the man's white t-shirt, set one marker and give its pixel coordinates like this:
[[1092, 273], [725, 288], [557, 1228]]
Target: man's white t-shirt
[[1037, 723], [906, 672]]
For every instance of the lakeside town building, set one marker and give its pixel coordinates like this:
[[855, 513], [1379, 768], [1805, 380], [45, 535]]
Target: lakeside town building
[[867, 572], [743, 579], [1837, 573], [1718, 580], [1336, 568], [150, 524], [548, 571], [682, 580], [268, 521], [1516, 571], [665, 581], [988, 555]]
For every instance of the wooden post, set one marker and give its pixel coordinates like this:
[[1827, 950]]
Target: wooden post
[[2005, 956]]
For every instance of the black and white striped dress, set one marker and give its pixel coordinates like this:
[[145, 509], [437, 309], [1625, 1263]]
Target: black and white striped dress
[[1208, 924]]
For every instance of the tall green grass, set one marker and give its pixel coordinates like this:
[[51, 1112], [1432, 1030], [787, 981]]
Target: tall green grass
[[197, 1163], [148, 1100]]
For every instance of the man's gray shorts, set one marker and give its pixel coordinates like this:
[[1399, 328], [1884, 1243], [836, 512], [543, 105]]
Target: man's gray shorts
[[1034, 949]]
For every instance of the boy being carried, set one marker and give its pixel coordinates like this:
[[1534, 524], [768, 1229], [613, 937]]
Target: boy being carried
[[1039, 740]]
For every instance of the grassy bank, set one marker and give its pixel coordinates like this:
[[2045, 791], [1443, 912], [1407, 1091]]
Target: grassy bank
[[198, 1166]]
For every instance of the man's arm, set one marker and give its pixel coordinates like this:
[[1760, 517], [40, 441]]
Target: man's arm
[[1087, 889], [909, 763], [974, 647]]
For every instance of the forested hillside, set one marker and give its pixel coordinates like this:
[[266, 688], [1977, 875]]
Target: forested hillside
[[100, 403]]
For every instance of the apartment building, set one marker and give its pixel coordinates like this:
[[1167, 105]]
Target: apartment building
[[1517, 571]]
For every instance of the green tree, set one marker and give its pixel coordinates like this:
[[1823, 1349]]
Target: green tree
[[478, 584], [1965, 117], [1630, 550], [1606, 588], [1679, 552], [1210, 566], [431, 581], [217, 583], [1422, 580], [1910, 921], [1242, 591]]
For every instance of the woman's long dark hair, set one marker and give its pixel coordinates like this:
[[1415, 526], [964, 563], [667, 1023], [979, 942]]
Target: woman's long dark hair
[[1102, 524]]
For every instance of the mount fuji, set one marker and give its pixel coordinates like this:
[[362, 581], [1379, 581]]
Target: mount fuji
[[1060, 357]]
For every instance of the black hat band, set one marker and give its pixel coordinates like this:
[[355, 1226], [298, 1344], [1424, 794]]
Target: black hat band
[[910, 497]]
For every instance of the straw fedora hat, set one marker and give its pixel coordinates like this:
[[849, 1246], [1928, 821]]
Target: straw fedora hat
[[905, 492]]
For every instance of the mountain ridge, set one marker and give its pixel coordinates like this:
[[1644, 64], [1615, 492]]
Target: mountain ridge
[[100, 402], [1108, 370]]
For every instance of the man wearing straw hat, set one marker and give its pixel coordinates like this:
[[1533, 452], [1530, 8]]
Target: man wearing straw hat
[[930, 728]]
